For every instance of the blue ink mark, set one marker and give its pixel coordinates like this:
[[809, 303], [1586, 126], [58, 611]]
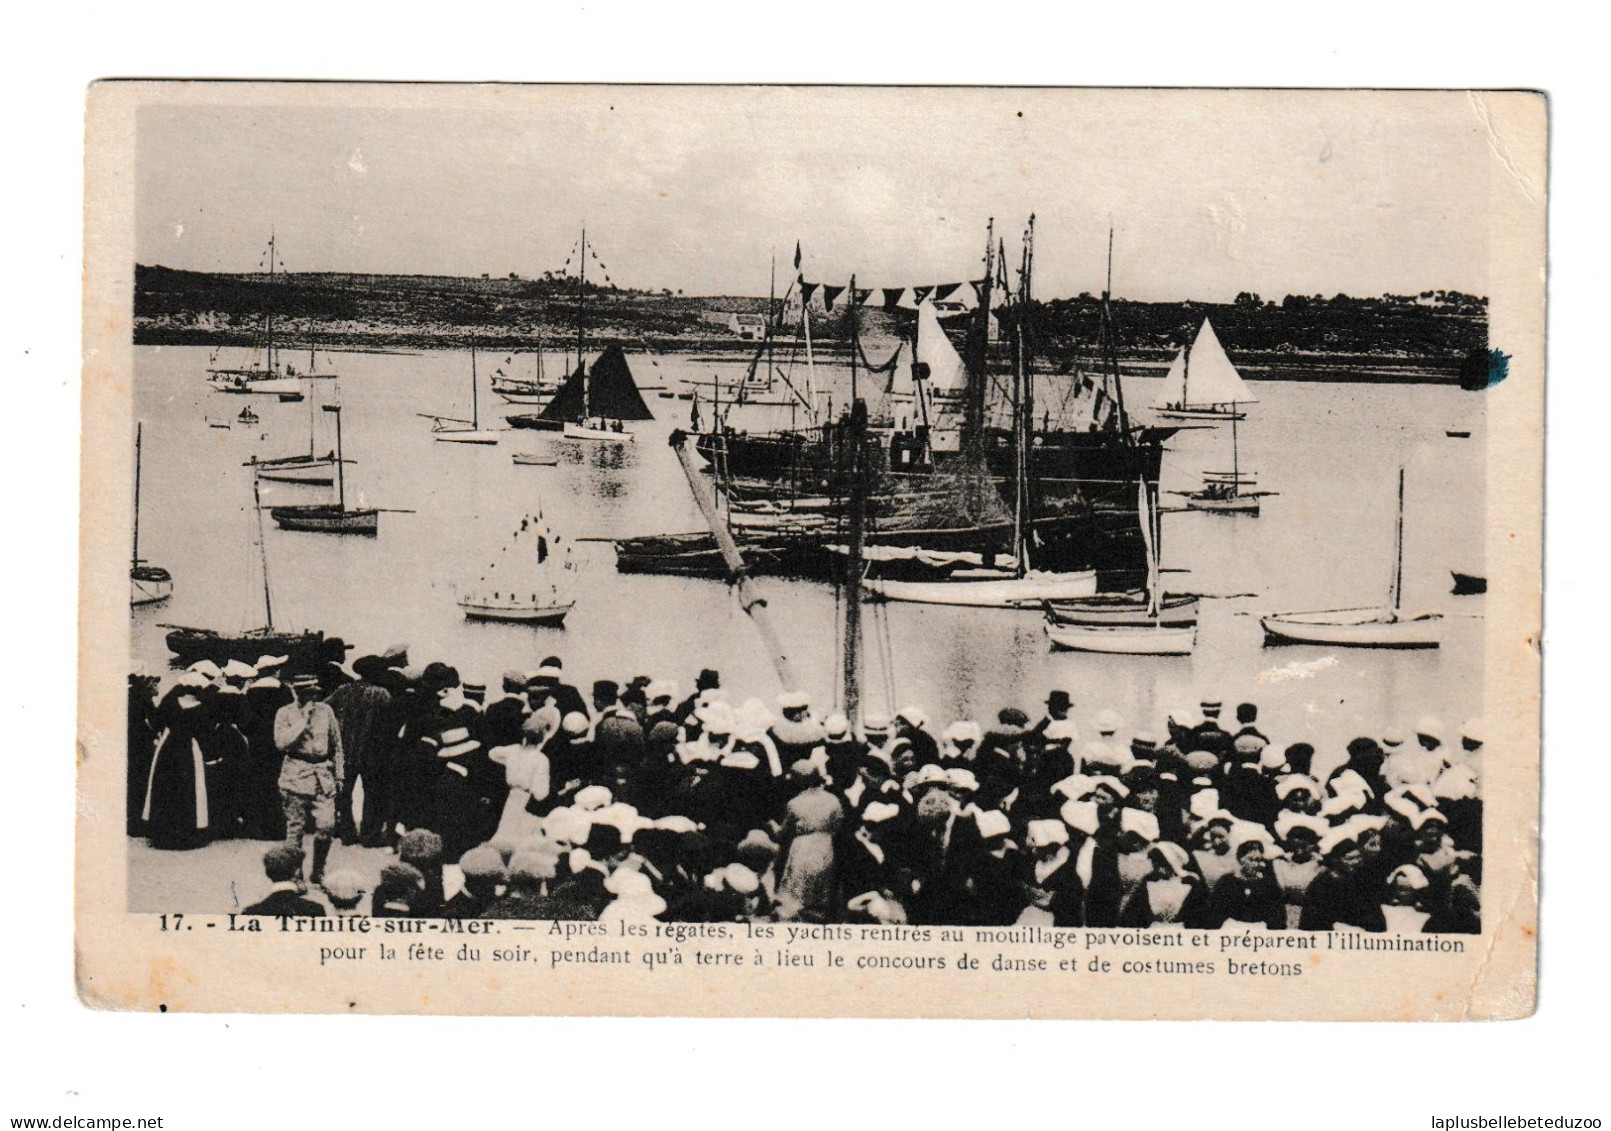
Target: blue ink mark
[[1483, 369]]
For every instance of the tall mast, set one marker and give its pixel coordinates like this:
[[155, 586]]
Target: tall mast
[[853, 560], [979, 353], [581, 332], [138, 428], [771, 313], [1236, 462], [855, 338], [1398, 548], [1110, 332], [475, 400], [341, 472], [269, 312], [262, 553]]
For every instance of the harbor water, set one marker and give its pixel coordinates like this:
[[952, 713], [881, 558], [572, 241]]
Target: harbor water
[[1330, 450]]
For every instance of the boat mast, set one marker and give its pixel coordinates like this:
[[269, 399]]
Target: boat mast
[[1398, 549], [979, 353], [1113, 346], [262, 553], [341, 472], [771, 313], [855, 338], [853, 560], [1236, 462], [475, 402], [269, 311], [581, 331], [1024, 406], [138, 429]]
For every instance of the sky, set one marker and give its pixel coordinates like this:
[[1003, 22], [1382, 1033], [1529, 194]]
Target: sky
[[1209, 193]]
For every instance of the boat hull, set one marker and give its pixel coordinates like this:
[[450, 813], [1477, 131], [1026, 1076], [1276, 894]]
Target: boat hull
[[466, 436], [526, 459], [320, 519], [1123, 640], [149, 585], [1196, 414], [1122, 610], [1003, 593], [1223, 506], [515, 612], [188, 645], [583, 432], [1368, 629]]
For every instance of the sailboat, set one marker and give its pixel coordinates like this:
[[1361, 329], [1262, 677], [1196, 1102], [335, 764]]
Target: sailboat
[[1386, 627], [330, 518], [148, 584], [523, 583], [268, 378], [593, 404], [452, 430], [1020, 584], [1202, 384], [518, 390], [1146, 631], [311, 470], [302, 649]]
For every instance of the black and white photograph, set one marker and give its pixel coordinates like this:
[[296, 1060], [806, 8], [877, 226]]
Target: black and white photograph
[[931, 522]]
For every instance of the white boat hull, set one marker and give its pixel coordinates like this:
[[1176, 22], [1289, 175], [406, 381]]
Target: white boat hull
[[266, 386], [516, 611], [996, 593], [583, 432], [467, 436], [1371, 628], [525, 398], [148, 592], [1223, 506], [528, 459], [1123, 640], [1197, 414]]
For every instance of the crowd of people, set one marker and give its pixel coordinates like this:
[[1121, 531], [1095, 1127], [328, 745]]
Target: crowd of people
[[640, 802]]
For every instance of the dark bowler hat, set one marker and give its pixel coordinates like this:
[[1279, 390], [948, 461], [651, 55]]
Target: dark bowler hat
[[1059, 701], [708, 678], [606, 689]]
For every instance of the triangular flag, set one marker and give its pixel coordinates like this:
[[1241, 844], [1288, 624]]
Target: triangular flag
[[797, 255], [806, 291], [945, 291], [892, 297], [830, 293], [921, 293]]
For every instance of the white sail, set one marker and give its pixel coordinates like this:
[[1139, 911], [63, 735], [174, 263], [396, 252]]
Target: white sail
[[531, 566], [1173, 393], [945, 369]]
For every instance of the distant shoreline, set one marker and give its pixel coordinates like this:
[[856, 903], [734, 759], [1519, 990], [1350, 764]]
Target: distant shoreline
[[1384, 369]]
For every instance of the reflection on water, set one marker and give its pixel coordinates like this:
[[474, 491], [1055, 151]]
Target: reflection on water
[[1332, 451]]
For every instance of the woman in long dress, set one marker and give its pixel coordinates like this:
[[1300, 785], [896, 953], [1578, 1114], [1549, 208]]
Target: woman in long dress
[[175, 814], [807, 886]]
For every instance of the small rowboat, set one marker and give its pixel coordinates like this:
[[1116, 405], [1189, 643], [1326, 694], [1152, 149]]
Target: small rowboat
[[512, 609], [532, 459]]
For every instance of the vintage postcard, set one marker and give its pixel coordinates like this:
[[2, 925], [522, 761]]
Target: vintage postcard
[[811, 551]]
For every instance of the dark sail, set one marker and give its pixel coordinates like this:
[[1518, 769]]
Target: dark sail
[[611, 388]]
